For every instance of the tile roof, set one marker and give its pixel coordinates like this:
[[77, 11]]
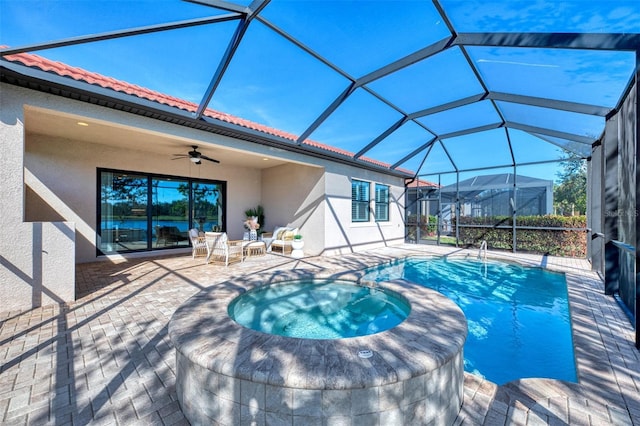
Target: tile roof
[[419, 183], [79, 74]]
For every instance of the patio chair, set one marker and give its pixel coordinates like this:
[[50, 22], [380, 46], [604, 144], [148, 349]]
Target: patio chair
[[198, 243], [280, 239], [169, 235], [222, 250]]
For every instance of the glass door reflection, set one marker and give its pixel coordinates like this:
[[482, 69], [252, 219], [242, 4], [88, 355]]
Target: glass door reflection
[[170, 212], [123, 217], [207, 206]]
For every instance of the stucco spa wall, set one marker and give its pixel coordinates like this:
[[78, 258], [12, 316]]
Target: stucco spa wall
[[36, 259], [63, 183]]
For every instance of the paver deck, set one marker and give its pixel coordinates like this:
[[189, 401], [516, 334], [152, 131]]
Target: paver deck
[[107, 358]]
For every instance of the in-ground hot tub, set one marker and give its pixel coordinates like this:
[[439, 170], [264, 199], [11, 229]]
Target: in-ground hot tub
[[229, 374], [319, 309]]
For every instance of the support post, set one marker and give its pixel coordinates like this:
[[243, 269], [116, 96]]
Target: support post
[[636, 214]]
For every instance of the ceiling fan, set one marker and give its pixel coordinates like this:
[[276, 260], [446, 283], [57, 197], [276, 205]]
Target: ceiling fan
[[194, 156]]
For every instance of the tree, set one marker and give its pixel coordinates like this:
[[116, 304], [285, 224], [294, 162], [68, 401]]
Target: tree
[[570, 193]]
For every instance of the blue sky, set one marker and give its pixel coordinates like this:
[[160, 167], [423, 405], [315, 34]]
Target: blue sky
[[273, 82]]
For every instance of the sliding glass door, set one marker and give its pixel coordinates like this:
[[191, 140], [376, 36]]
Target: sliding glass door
[[123, 212], [207, 206], [138, 212], [170, 212]]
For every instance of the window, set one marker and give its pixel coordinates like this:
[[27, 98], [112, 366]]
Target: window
[[359, 201], [139, 212], [382, 203]]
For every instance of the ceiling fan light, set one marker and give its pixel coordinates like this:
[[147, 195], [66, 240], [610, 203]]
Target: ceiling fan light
[[194, 159]]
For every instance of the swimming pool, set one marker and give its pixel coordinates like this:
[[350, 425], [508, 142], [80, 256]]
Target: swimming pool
[[518, 317]]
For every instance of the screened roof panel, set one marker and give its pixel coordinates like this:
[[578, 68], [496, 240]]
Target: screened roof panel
[[568, 147], [477, 114], [562, 121], [262, 77], [490, 148], [437, 161], [362, 77], [120, 59], [529, 148], [35, 21], [401, 143], [590, 77], [434, 81], [544, 16], [359, 36], [356, 123]]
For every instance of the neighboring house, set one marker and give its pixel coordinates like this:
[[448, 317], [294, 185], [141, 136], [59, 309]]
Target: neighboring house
[[420, 198], [483, 195], [88, 171], [492, 195]]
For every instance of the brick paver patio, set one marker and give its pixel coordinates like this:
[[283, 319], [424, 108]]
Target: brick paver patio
[[107, 359]]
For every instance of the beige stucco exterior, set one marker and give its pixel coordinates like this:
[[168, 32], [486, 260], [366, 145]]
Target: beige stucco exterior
[[49, 173]]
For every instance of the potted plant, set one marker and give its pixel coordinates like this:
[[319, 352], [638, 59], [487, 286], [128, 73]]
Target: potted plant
[[251, 225], [297, 243], [257, 212]]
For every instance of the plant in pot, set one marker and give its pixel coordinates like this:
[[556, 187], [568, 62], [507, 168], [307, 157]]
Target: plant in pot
[[297, 243], [251, 225], [257, 212]]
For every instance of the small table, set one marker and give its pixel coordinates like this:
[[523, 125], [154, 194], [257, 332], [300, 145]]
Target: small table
[[254, 248]]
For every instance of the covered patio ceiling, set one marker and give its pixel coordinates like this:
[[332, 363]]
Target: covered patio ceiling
[[410, 88]]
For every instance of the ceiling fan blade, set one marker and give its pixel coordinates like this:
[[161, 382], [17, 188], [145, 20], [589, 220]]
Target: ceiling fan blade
[[204, 157], [195, 156]]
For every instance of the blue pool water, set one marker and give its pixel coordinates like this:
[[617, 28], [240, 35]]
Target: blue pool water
[[319, 309], [518, 318]]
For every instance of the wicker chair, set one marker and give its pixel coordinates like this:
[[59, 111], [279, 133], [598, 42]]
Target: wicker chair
[[198, 243], [280, 239], [222, 250]]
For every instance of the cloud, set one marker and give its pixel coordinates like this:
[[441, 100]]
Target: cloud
[[519, 63]]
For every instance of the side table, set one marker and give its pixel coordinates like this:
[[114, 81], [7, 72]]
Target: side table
[[254, 248]]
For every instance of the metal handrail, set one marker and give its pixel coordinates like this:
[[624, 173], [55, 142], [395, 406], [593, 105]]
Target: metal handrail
[[483, 245]]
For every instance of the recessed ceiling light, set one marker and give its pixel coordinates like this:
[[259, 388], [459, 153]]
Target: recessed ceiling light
[[265, 159], [82, 123]]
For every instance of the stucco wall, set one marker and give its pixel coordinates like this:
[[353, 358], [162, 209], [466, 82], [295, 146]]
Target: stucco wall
[[318, 202], [293, 194], [344, 236], [36, 259]]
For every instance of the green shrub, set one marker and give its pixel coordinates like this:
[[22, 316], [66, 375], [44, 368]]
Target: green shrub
[[554, 242], [428, 225]]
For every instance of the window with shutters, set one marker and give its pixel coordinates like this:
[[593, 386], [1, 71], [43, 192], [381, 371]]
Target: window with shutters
[[359, 201], [382, 203]]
